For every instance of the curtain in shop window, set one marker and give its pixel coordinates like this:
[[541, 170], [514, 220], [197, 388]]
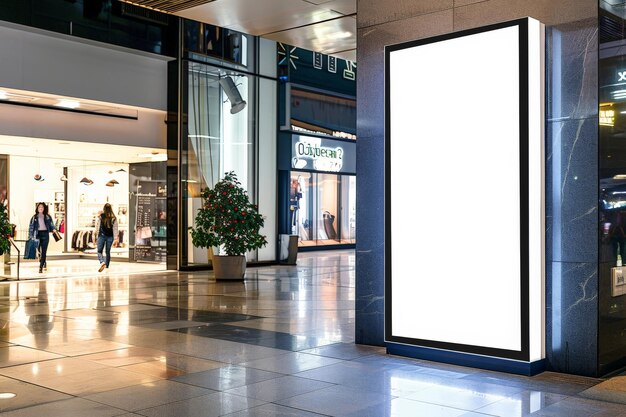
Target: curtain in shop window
[[204, 125]]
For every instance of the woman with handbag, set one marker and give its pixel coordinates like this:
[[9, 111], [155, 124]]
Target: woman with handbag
[[107, 234], [41, 224]]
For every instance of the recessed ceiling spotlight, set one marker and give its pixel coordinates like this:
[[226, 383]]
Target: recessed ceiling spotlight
[[68, 104]]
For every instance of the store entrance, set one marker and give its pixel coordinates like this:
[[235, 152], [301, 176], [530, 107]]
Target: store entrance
[[75, 180]]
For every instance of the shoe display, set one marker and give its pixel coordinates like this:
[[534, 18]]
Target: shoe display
[[102, 266]]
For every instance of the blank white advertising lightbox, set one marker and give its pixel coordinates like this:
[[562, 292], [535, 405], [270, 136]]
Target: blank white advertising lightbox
[[464, 132]]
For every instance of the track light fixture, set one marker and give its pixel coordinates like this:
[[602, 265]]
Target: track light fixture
[[237, 104]]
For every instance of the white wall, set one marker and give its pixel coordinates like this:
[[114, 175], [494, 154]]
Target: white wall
[[267, 167], [24, 192], [57, 65]]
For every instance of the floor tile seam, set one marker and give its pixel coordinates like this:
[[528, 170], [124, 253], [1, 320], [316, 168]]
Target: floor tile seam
[[211, 391], [35, 361], [87, 353], [297, 408], [204, 395], [43, 387], [449, 406], [73, 397]]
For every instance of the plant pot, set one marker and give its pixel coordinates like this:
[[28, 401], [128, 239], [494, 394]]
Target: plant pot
[[229, 267]]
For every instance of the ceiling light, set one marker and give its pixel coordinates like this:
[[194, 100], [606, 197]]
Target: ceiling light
[[154, 156], [63, 178], [340, 35], [38, 178], [86, 181], [3, 95], [7, 395], [68, 104], [121, 170]]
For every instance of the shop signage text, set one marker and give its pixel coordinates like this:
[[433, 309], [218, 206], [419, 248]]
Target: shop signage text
[[324, 158]]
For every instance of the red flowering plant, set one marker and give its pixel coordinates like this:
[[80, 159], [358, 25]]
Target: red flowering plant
[[227, 219]]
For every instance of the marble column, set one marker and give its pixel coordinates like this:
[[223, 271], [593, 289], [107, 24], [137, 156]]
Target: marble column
[[571, 164]]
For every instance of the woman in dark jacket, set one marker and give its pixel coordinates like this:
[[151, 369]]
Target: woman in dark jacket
[[106, 234], [41, 224]]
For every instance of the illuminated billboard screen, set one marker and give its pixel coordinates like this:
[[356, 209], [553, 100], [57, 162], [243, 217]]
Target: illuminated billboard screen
[[463, 191]]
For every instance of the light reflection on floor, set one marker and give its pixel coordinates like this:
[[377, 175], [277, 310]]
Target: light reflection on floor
[[280, 343], [62, 268]]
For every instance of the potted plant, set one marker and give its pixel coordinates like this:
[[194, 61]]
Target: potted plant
[[228, 220]]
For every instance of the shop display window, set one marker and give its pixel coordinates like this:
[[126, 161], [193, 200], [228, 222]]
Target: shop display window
[[323, 208], [612, 191], [220, 138]]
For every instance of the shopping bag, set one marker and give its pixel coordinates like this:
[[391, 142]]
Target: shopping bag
[[56, 235], [30, 251]]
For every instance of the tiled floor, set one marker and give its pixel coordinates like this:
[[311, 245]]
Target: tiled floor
[[280, 343]]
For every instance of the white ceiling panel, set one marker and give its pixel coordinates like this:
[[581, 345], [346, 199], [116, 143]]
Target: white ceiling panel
[[259, 17], [326, 26], [345, 7], [330, 37]]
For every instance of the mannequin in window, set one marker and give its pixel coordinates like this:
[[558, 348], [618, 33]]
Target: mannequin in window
[[295, 194], [617, 234]]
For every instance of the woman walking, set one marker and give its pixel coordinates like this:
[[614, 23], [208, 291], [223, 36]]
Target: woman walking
[[41, 224], [106, 230]]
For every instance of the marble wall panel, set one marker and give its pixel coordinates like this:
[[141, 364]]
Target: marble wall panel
[[572, 191], [375, 12], [548, 12], [571, 317]]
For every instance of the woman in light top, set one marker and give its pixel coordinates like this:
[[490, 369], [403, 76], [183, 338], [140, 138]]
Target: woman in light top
[[107, 232], [41, 224]]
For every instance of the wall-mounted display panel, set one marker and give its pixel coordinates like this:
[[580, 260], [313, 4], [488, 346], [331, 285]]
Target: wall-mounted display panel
[[464, 192]]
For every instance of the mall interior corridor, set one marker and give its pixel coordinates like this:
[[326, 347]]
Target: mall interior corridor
[[280, 343]]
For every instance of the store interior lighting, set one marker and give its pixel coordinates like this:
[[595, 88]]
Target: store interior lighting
[[237, 104], [86, 181], [51, 101], [68, 104]]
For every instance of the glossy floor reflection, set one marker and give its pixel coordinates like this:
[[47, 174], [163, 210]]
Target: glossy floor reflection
[[280, 343]]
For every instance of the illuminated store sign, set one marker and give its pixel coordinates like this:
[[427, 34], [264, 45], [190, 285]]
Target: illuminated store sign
[[607, 117], [479, 291], [317, 154]]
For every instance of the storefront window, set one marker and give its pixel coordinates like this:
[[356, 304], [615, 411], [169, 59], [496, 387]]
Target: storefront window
[[220, 138], [612, 178], [323, 208]]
